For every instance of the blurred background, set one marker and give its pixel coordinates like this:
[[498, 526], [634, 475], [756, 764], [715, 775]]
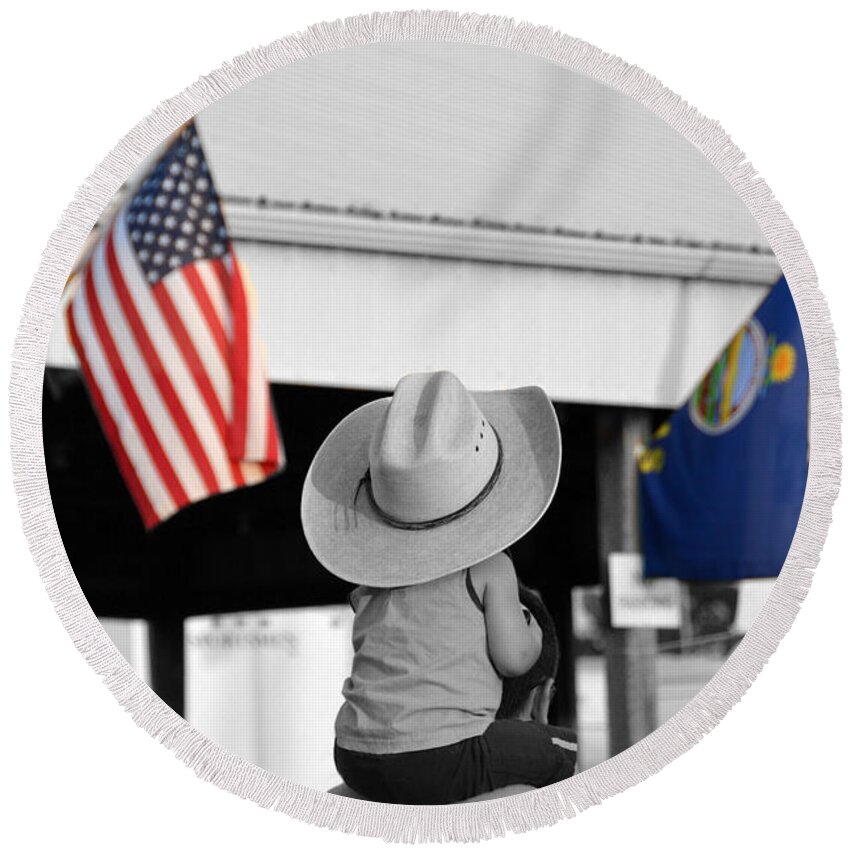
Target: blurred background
[[415, 207]]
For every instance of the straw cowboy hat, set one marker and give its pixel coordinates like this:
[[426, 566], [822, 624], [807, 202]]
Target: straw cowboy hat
[[434, 479]]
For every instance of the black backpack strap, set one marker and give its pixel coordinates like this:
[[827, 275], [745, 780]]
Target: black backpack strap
[[473, 593]]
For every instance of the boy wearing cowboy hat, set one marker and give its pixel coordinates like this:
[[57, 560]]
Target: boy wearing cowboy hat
[[415, 499]]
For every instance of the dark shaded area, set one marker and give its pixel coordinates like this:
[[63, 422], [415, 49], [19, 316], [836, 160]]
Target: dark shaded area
[[240, 551], [245, 550]]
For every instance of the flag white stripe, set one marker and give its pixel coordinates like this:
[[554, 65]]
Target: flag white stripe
[[172, 360], [252, 472], [257, 413], [199, 332], [255, 438], [213, 286], [134, 446], [137, 371]]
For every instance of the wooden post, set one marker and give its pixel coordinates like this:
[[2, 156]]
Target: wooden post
[[166, 648], [686, 629], [629, 653]]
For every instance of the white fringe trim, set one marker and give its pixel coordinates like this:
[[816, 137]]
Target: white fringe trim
[[424, 823]]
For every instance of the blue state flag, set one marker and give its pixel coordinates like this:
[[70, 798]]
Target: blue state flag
[[722, 481]]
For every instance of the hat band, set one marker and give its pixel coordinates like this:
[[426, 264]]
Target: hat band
[[443, 520]]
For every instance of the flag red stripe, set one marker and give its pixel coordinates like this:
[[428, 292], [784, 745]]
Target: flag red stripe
[[157, 370], [131, 399], [190, 355], [110, 429], [236, 471], [223, 278], [272, 446], [238, 362], [208, 311], [196, 367]]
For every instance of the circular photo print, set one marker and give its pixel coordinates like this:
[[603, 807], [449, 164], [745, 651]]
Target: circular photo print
[[425, 423]]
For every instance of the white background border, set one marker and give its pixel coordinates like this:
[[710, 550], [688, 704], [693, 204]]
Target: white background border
[[774, 772]]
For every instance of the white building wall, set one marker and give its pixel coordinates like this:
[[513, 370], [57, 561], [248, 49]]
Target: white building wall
[[267, 686]]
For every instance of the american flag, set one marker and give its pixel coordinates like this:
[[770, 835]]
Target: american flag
[[161, 319]]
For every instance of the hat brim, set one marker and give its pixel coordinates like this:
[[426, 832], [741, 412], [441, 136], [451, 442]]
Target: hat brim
[[353, 543]]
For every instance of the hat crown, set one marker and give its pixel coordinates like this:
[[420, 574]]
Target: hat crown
[[433, 452]]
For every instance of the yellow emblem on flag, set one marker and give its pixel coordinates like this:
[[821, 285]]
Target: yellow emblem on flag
[[783, 362], [651, 460]]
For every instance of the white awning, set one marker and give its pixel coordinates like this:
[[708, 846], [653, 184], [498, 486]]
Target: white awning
[[418, 206], [467, 131]]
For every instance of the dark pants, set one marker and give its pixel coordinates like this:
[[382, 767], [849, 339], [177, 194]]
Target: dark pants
[[510, 752]]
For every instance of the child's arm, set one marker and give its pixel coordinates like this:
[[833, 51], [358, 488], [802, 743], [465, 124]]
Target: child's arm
[[514, 643]]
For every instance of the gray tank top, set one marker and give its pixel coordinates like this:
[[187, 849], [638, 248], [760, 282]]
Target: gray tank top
[[421, 676]]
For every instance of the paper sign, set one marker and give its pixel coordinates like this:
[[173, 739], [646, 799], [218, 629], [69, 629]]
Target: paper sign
[[637, 602]]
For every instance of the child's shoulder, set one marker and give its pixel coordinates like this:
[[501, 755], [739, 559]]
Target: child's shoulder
[[496, 568]]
